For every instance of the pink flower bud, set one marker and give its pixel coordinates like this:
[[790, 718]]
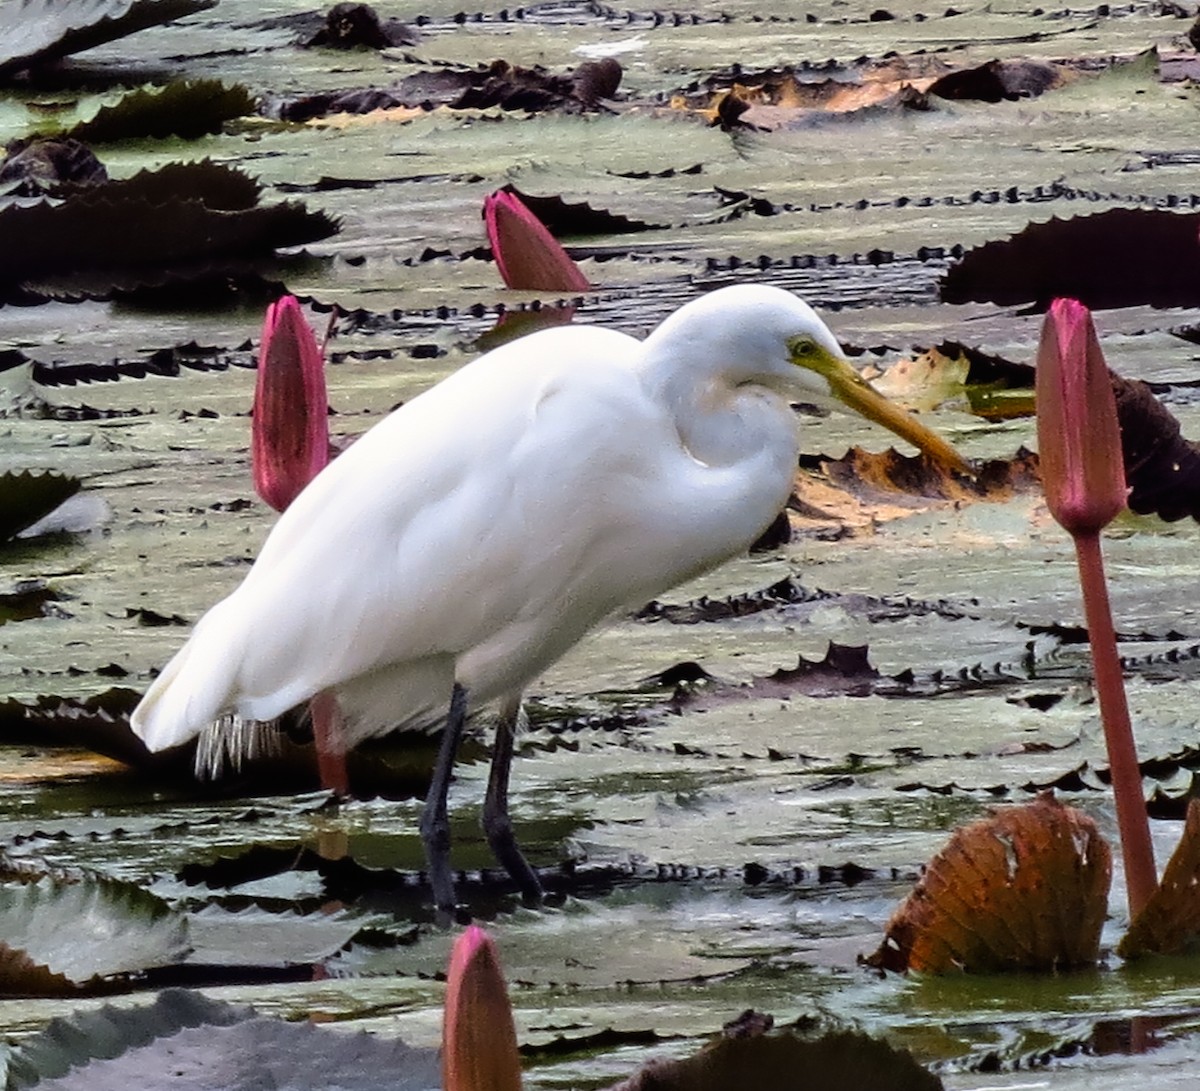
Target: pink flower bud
[[479, 1040], [527, 255], [290, 432], [1079, 440]]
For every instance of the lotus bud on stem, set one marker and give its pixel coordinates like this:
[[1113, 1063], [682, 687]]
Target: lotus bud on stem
[[479, 1039], [1079, 445], [526, 254], [289, 447]]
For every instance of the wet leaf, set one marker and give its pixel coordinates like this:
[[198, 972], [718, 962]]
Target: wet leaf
[[566, 218], [890, 472], [522, 321], [257, 938], [36, 31], [26, 497], [1170, 921], [21, 975], [99, 723], [1026, 889], [844, 670]]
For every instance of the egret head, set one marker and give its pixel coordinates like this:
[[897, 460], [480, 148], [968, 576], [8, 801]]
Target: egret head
[[765, 335]]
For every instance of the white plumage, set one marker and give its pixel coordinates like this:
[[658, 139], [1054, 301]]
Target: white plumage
[[479, 531]]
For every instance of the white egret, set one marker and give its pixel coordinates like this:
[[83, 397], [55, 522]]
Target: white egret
[[470, 538]]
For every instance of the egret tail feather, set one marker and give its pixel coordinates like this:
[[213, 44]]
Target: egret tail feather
[[229, 742]]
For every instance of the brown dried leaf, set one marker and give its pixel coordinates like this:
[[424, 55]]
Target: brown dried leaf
[[925, 381], [1025, 889], [342, 120], [914, 476], [777, 99], [1170, 921], [20, 975], [854, 494]]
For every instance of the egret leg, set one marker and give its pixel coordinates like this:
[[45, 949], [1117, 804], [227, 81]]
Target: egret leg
[[329, 739], [497, 826], [435, 820]]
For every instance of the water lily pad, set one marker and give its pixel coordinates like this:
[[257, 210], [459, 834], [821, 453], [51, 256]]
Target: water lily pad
[[35, 31], [185, 1040], [85, 928], [185, 108]]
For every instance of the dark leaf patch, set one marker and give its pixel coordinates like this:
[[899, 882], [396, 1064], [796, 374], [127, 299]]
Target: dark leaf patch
[[1162, 468], [564, 219], [358, 26], [26, 497], [182, 223], [508, 86], [185, 108], [996, 81], [35, 165], [1155, 252], [30, 599], [746, 1057], [164, 363]]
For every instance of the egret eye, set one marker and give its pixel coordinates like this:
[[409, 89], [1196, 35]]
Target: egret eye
[[802, 349]]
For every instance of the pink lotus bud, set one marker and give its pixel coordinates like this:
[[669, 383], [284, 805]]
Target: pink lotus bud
[[290, 432], [479, 1040], [526, 253], [1079, 440]]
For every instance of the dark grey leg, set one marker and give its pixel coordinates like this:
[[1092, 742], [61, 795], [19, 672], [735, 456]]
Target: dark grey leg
[[435, 821], [497, 826]]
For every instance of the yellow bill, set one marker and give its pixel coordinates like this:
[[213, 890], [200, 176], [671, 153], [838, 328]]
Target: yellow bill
[[853, 391]]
